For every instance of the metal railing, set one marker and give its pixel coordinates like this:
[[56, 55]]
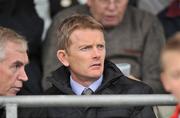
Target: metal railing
[[11, 103]]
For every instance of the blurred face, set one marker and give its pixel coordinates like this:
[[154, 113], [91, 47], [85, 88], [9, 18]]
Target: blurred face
[[12, 70], [85, 57], [171, 74], [108, 12]]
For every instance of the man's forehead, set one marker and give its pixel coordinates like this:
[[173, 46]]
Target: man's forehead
[[80, 33], [170, 57], [170, 53], [83, 39], [16, 54]]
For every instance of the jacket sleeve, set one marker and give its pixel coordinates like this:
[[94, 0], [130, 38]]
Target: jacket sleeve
[[143, 112], [153, 43]]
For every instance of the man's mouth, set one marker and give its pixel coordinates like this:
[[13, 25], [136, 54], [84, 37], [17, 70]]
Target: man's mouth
[[97, 65], [17, 89], [110, 18]]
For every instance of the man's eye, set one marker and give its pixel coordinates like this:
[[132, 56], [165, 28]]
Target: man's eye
[[175, 75], [85, 48], [17, 66], [100, 46]]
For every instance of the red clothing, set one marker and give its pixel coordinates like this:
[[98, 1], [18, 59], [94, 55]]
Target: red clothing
[[177, 112], [174, 9]]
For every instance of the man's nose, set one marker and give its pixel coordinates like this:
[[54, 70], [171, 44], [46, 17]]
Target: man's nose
[[112, 5], [96, 52], [23, 75]]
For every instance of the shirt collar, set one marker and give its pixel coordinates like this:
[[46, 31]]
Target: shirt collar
[[78, 88]]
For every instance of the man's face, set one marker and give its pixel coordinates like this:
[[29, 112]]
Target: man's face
[[171, 74], [12, 69], [108, 12], [86, 54]]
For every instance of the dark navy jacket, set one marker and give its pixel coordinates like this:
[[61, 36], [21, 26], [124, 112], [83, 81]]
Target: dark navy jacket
[[114, 82]]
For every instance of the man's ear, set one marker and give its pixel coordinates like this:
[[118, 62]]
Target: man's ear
[[62, 56], [165, 82]]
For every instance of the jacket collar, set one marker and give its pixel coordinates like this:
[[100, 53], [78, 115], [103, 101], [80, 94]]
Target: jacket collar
[[61, 80], [61, 77]]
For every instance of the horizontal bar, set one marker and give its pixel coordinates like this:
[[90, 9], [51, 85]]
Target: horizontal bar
[[91, 100]]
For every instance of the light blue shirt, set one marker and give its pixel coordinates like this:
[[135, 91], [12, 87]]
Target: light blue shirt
[[78, 88]]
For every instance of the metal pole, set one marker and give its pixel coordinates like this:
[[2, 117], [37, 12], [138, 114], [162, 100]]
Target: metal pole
[[11, 110], [91, 100]]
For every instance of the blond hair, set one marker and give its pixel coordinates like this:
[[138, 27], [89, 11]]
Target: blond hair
[[72, 23]]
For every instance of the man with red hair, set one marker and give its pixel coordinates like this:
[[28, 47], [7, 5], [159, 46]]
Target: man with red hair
[[170, 75]]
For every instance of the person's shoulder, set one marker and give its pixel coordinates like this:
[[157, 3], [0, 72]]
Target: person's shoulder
[[61, 15], [52, 91], [124, 84], [142, 19], [139, 12], [70, 11], [130, 86], [140, 15]]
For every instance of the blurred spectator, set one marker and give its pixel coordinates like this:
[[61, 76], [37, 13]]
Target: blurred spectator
[[42, 8], [170, 76], [59, 5], [132, 36], [152, 6], [47, 9], [170, 18], [13, 58], [21, 16]]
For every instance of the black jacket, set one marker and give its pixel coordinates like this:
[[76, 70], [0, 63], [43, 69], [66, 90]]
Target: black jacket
[[114, 82], [2, 112]]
